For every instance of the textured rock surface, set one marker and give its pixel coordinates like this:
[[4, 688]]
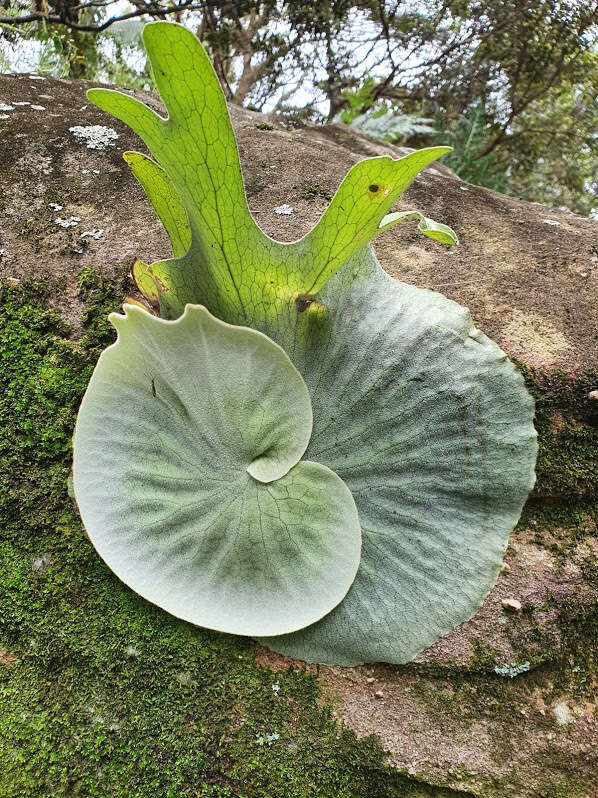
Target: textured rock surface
[[531, 285], [529, 275]]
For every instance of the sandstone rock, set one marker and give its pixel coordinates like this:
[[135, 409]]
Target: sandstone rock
[[448, 718], [520, 278]]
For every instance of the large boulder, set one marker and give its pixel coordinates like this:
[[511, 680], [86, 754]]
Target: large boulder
[[501, 706]]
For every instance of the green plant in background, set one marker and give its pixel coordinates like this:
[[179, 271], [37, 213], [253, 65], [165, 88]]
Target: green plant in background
[[383, 124], [380, 119], [467, 136], [188, 445]]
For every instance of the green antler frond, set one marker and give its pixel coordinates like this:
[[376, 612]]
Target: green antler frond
[[165, 201], [220, 256], [355, 215]]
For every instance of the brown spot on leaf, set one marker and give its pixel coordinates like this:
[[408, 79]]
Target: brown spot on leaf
[[302, 302]]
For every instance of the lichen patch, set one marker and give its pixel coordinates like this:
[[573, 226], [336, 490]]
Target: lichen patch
[[95, 137]]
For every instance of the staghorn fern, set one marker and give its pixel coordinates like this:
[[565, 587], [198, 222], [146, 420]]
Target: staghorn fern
[[300, 449]]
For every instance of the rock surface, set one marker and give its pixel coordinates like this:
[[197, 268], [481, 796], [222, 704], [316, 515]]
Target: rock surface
[[530, 285], [502, 706]]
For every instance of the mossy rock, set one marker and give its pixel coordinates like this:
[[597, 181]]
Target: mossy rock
[[104, 694]]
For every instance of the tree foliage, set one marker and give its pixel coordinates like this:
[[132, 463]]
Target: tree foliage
[[520, 75]]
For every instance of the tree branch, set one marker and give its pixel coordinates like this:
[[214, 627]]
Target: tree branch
[[54, 19]]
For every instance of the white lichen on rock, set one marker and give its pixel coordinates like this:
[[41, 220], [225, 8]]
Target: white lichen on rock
[[512, 670], [72, 221], [267, 739], [184, 679], [96, 137], [92, 233], [562, 714], [41, 563]]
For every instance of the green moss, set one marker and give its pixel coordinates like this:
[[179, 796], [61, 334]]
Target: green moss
[[35, 229], [310, 192], [566, 791], [567, 765], [103, 295], [578, 652], [562, 527], [567, 425], [461, 775], [565, 646], [469, 698], [483, 658], [110, 696]]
